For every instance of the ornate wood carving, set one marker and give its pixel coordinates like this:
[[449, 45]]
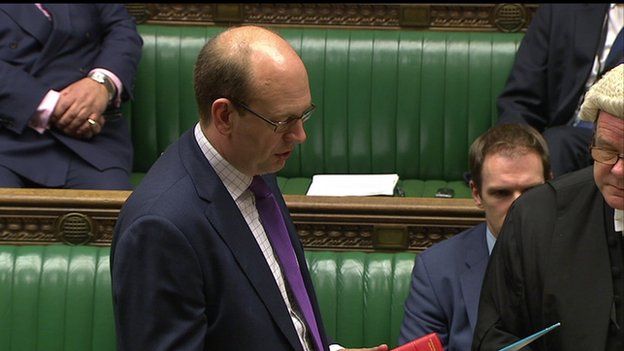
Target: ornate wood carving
[[510, 17], [44, 216]]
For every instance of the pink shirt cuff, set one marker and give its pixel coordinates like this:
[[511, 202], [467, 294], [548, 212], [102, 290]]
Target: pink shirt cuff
[[116, 81], [40, 121]]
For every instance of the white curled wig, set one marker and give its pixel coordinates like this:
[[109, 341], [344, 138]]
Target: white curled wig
[[607, 95]]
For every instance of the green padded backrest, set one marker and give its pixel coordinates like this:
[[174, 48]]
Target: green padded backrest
[[402, 101], [59, 297], [164, 103], [55, 298], [361, 295]]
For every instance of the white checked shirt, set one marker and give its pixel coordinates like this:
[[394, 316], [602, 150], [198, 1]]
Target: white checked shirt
[[237, 184]]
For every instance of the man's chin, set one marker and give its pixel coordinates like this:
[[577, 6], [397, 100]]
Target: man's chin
[[275, 167], [615, 201]]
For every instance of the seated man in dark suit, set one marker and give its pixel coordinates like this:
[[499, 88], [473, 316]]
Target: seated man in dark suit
[[565, 49], [205, 255], [560, 254], [505, 161], [65, 68]]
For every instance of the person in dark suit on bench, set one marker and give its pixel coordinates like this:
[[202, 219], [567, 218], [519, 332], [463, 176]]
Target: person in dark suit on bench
[[565, 49], [65, 68], [505, 161]]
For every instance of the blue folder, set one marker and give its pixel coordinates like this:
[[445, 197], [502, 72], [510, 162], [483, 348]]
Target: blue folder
[[529, 339]]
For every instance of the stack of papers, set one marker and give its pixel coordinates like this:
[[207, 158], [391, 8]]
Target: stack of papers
[[353, 184]]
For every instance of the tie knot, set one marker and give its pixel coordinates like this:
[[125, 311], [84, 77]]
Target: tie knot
[[259, 187]]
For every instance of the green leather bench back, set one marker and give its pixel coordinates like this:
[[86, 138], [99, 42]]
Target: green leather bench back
[[59, 297], [389, 101], [361, 294], [55, 298]]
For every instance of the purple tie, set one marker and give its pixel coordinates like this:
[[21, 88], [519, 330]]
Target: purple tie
[[276, 231]]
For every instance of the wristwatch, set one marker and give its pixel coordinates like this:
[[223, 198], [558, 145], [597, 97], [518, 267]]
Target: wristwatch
[[107, 82]]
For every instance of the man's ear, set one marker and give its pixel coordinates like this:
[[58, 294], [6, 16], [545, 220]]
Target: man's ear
[[475, 194], [221, 115]]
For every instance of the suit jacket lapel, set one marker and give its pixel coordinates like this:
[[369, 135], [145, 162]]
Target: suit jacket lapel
[[225, 217], [61, 27], [471, 278], [30, 19], [587, 35]]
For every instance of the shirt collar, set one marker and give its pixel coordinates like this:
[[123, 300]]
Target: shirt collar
[[618, 219], [234, 180], [491, 239]]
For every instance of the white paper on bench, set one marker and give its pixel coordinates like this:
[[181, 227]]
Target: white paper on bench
[[353, 184]]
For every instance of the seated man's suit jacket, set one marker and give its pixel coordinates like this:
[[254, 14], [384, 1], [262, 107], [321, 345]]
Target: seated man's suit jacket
[[187, 273], [552, 65], [37, 55], [444, 294]]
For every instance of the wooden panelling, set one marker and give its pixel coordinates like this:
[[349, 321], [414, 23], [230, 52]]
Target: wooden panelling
[[43, 216], [506, 17]]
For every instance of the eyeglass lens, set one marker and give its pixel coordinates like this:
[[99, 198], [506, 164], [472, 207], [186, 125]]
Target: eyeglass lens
[[605, 156]]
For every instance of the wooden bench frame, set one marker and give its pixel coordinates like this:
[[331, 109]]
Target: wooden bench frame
[[43, 216], [502, 17]]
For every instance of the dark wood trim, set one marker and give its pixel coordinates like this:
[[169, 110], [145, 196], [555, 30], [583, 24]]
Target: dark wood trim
[[44, 216], [506, 17]]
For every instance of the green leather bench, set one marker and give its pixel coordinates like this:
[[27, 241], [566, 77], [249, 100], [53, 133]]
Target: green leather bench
[[389, 101], [58, 297]]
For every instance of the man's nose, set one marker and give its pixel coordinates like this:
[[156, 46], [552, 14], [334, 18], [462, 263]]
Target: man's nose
[[296, 133], [618, 167]]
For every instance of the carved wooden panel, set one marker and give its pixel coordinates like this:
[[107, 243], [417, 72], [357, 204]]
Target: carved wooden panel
[[76, 217], [506, 17]]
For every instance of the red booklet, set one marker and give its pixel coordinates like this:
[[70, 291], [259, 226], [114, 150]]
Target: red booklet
[[430, 342]]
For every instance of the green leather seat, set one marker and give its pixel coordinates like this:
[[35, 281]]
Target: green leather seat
[[58, 297], [388, 101]]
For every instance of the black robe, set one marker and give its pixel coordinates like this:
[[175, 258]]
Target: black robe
[[553, 263]]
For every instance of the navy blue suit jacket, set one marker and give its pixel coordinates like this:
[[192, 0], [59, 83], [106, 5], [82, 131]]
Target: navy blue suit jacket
[[444, 294], [552, 65], [38, 55], [187, 273]]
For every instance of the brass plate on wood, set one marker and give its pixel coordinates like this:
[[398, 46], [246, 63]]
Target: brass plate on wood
[[74, 229]]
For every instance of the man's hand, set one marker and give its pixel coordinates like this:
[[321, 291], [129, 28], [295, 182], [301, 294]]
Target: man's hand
[[382, 347], [78, 112]]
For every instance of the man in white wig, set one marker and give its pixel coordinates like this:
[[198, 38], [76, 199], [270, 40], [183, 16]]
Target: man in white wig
[[559, 256]]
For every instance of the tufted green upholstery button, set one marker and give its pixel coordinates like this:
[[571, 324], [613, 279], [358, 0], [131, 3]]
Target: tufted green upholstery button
[[13, 45]]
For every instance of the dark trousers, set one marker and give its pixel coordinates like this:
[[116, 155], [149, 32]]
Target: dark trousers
[[80, 175]]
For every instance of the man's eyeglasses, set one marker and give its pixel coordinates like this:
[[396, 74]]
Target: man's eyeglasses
[[279, 126], [608, 157]]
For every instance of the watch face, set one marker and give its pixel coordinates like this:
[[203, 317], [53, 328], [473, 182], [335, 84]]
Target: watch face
[[102, 79], [98, 78]]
